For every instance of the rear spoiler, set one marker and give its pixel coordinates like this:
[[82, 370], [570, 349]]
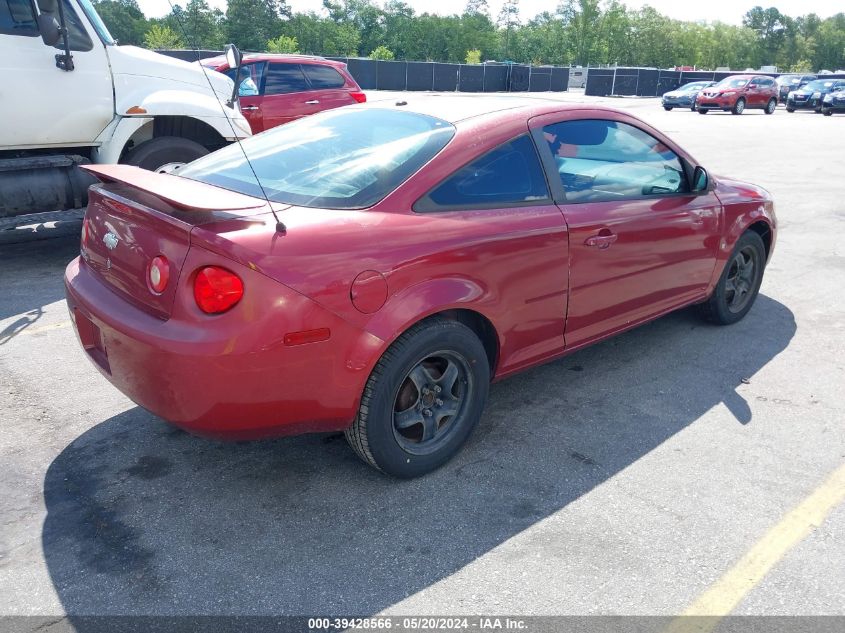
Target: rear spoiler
[[180, 192]]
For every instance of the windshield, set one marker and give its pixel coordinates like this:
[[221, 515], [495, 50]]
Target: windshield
[[728, 82], [96, 21], [819, 84], [340, 159], [695, 85]]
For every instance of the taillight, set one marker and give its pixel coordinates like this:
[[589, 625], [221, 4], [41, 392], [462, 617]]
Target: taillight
[[85, 230], [217, 289], [158, 274], [360, 97]]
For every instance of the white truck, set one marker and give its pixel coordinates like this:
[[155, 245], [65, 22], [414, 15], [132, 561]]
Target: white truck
[[70, 95]]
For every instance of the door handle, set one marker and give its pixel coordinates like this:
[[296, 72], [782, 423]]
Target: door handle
[[249, 108], [312, 102], [601, 241]]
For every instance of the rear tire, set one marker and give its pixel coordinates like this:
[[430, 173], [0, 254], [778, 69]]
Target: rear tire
[[771, 106], [163, 150], [739, 283], [827, 112], [739, 106], [790, 110], [422, 400]]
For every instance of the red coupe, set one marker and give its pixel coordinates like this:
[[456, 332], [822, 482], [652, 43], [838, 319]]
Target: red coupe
[[422, 248]]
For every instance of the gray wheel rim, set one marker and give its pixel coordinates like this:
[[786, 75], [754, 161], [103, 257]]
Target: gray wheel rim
[[431, 402], [740, 105], [741, 279]]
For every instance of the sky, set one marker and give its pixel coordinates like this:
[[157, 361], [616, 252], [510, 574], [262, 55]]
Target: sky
[[729, 11]]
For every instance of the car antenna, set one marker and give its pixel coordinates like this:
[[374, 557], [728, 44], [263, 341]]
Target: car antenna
[[236, 55]]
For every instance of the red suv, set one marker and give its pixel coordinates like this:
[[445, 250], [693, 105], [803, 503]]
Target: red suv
[[737, 93], [276, 89]]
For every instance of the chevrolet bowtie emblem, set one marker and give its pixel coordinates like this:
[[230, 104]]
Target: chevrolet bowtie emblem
[[110, 240]]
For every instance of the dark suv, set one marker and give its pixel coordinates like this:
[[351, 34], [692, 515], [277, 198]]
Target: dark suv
[[276, 89], [811, 96], [788, 83]]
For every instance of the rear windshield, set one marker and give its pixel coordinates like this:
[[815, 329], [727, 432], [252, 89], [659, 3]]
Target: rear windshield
[[341, 159]]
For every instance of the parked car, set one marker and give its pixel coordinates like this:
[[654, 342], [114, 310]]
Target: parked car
[[407, 253], [738, 93], [788, 83], [277, 89], [833, 102], [810, 97], [685, 96]]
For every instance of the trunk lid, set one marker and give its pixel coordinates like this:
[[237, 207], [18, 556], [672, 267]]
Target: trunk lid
[[136, 215]]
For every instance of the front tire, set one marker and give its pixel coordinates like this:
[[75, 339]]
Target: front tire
[[790, 110], [771, 106], [739, 284], [164, 150], [702, 111], [739, 106], [827, 111], [422, 400], [668, 108]]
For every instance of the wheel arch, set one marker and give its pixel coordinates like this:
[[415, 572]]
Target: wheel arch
[[181, 126]]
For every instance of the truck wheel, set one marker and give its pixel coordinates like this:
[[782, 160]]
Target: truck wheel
[[163, 150], [422, 400], [739, 106]]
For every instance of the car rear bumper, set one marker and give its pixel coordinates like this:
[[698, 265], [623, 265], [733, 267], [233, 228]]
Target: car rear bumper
[[229, 376]]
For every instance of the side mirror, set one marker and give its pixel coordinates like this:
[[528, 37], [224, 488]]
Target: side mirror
[[49, 29], [233, 56], [700, 180]]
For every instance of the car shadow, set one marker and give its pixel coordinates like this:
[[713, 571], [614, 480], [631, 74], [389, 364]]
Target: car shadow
[[145, 519], [31, 276]]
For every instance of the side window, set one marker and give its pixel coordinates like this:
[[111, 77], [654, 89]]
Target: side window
[[284, 79], [249, 82], [77, 36], [607, 160], [509, 175], [17, 17], [323, 77]]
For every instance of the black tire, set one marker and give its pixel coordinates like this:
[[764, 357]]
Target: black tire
[[818, 110], [702, 111], [725, 306], [432, 352], [771, 106], [160, 151], [668, 108], [739, 106], [790, 110], [693, 106], [827, 112]]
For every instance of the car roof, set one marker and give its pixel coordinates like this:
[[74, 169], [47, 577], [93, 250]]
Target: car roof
[[455, 108], [220, 60]]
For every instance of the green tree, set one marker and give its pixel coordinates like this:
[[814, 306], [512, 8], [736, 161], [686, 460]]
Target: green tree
[[124, 20], [199, 24], [283, 44], [508, 21], [383, 53], [162, 37], [473, 56], [252, 23]]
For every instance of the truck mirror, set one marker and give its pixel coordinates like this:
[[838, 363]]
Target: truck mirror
[[233, 56], [49, 29]]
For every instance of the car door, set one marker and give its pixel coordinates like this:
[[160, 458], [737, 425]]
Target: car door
[[249, 83], [41, 104], [640, 243], [285, 95], [328, 87]]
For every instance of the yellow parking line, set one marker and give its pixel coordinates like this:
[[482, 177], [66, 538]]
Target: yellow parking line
[[725, 594]]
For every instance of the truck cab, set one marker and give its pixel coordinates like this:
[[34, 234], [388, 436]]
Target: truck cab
[[72, 94]]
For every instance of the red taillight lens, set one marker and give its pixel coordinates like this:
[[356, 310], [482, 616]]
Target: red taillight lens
[[360, 97], [217, 289], [85, 230], [158, 274]]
